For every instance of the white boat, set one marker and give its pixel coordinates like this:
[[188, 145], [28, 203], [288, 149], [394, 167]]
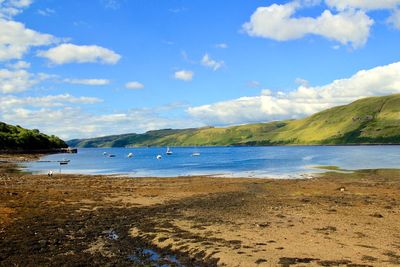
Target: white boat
[[159, 157], [195, 154], [104, 153], [169, 152], [130, 155]]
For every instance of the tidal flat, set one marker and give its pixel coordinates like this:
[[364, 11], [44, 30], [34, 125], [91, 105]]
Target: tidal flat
[[335, 219]]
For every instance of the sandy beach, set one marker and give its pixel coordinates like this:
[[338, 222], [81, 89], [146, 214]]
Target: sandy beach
[[336, 219]]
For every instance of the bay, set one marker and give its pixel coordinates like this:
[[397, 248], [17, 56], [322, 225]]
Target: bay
[[271, 162]]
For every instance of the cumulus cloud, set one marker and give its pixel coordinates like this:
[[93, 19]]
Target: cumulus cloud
[[394, 19], [184, 75], [20, 65], [16, 39], [88, 81], [303, 101], [47, 112], [15, 81], [12, 102], [134, 85], [70, 53], [77, 123], [211, 63], [278, 22], [11, 8], [363, 4]]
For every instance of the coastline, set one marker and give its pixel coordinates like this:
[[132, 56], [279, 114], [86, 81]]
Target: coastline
[[203, 221]]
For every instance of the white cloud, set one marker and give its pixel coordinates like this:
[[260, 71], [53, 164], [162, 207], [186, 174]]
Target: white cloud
[[52, 114], [15, 81], [394, 18], [363, 4], [10, 102], [20, 65], [302, 101], [20, 3], [11, 8], [209, 62], [88, 81], [221, 45], [16, 39], [46, 12], [134, 85], [76, 123], [184, 75], [70, 53], [278, 22]]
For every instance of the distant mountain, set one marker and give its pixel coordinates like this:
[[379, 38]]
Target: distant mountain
[[18, 138], [374, 120]]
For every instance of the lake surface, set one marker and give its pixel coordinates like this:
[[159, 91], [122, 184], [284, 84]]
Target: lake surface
[[283, 161]]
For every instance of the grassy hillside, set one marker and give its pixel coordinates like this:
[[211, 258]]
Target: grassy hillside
[[374, 120], [18, 138]]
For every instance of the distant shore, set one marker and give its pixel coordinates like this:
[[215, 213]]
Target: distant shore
[[271, 145], [348, 219], [36, 152]]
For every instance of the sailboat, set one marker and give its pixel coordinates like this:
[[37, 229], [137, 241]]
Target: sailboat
[[169, 152]]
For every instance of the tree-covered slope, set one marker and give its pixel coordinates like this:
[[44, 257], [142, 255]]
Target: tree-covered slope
[[374, 120], [18, 138]]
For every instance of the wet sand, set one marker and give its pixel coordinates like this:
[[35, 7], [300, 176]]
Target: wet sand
[[74, 220]]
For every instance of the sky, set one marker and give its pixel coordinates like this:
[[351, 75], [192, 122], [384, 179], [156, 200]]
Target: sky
[[91, 68]]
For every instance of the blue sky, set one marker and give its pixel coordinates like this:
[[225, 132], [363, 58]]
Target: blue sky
[[97, 67]]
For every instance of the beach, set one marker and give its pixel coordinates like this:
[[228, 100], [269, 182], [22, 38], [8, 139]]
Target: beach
[[335, 219]]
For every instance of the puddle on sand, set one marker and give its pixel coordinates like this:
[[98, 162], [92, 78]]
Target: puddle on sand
[[146, 256], [156, 259]]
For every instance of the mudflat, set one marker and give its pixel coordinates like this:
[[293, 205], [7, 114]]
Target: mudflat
[[336, 219]]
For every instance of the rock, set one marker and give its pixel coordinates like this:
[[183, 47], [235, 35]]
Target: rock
[[376, 215]]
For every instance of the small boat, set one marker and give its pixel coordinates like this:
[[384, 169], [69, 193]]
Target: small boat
[[111, 156], [169, 152], [63, 161], [130, 155], [195, 154], [159, 157], [104, 153]]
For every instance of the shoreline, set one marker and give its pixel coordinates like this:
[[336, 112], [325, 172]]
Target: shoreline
[[200, 221]]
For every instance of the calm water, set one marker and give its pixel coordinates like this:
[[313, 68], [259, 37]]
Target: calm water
[[288, 162]]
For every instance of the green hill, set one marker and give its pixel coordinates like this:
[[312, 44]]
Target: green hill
[[374, 120], [18, 138]]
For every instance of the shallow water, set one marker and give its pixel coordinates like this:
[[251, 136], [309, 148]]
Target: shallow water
[[283, 161]]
